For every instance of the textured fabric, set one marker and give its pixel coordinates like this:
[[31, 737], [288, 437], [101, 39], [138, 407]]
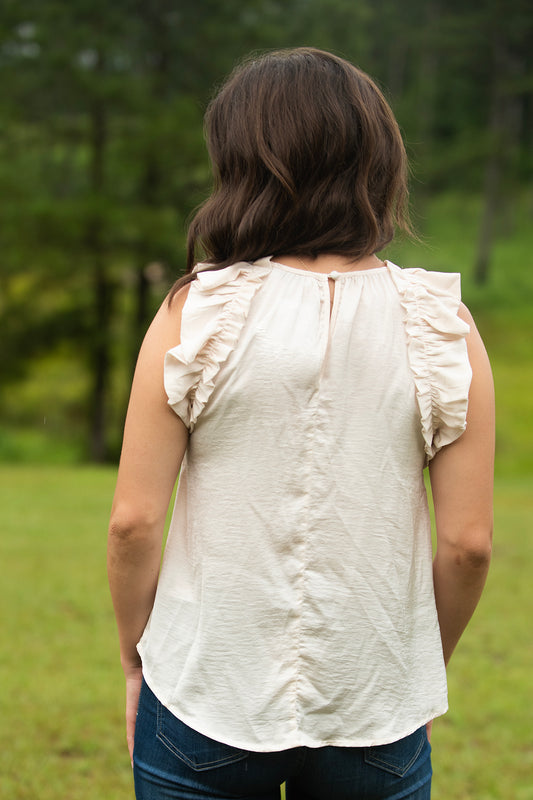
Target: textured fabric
[[295, 604]]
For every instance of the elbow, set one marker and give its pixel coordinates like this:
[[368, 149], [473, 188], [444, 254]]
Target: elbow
[[477, 558], [121, 529], [472, 551], [128, 523], [133, 537]]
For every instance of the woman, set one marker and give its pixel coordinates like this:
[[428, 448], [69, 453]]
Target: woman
[[298, 630]]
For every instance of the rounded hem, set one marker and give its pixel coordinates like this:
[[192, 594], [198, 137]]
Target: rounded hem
[[288, 742]]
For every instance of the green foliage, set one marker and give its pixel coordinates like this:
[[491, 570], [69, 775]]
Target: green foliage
[[501, 309], [101, 162], [56, 383], [102, 158], [61, 712]]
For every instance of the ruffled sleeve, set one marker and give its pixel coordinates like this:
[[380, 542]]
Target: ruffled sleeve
[[212, 318], [437, 352]]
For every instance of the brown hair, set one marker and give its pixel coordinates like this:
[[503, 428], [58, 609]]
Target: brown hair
[[307, 158]]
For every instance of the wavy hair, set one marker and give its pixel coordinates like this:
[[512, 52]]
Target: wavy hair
[[307, 159]]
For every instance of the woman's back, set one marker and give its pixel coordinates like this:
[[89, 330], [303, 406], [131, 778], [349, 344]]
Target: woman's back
[[299, 558]]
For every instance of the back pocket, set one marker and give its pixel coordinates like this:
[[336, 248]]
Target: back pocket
[[197, 751], [398, 757]]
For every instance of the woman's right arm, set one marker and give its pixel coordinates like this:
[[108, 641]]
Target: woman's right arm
[[461, 482]]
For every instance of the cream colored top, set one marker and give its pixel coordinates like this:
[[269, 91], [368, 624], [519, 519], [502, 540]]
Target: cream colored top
[[295, 604]]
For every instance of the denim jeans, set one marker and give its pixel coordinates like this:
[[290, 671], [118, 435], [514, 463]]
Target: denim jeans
[[172, 760]]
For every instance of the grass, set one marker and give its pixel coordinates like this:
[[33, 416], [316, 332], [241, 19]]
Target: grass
[[60, 705], [61, 715]]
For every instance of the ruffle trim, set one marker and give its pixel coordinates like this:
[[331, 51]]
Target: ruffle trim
[[213, 316], [437, 352]]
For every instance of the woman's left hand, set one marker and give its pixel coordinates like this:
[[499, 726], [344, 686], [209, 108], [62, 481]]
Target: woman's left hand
[[134, 678]]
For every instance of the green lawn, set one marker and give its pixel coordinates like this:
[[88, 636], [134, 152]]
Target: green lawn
[[61, 733], [61, 699]]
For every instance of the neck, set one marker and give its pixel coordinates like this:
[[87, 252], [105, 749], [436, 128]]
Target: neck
[[327, 263]]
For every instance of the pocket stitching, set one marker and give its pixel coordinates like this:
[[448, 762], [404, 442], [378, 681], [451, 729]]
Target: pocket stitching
[[382, 763], [239, 755]]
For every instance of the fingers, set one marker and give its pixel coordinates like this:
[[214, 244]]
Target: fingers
[[133, 689]]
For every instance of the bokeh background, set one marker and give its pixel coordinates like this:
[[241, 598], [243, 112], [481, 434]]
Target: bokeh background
[[102, 161]]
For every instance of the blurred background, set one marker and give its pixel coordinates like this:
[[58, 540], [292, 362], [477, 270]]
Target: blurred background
[[102, 160]]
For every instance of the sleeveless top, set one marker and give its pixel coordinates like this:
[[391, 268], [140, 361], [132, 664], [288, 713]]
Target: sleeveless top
[[295, 604]]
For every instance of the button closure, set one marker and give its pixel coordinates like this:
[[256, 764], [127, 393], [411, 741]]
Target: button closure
[[334, 275]]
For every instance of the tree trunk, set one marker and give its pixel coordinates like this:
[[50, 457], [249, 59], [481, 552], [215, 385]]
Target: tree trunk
[[101, 361], [427, 85], [152, 177], [494, 166], [102, 290], [491, 192], [149, 186]]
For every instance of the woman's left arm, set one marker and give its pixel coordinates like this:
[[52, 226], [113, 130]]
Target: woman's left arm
[[155, 440]]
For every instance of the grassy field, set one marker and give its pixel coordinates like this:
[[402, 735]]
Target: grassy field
[[61, 733]]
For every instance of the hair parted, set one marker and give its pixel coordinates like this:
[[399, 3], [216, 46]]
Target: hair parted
[[307, 159]]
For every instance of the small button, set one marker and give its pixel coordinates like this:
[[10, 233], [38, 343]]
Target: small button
[[334, 275]]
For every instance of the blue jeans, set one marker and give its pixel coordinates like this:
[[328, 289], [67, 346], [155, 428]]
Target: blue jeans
[[171, 760]]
